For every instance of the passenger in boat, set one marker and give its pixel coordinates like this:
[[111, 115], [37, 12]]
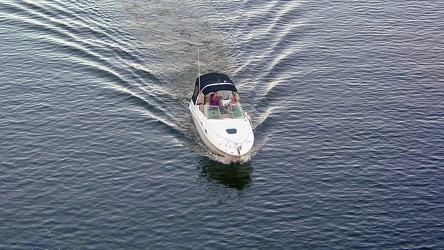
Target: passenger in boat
[[232, 102], [214, 100]]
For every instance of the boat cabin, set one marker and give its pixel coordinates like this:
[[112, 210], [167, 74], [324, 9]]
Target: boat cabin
[[226, 103]]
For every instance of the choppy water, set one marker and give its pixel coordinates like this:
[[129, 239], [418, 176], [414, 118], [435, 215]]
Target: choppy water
[[98, 150]]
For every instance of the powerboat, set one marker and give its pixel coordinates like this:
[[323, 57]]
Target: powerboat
[[223, 126]]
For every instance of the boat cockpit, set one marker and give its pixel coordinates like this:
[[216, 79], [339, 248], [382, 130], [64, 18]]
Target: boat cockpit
[[229, 105]]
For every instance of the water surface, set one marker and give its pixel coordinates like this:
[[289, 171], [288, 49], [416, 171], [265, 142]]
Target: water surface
[[98, 149]]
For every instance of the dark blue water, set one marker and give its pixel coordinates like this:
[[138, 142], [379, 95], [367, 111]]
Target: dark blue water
[[98, 149]]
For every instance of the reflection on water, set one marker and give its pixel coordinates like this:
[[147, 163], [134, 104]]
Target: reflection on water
[[235, 175]]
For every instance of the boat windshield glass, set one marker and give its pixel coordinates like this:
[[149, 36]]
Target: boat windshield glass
[[237, 111], [212, 112]]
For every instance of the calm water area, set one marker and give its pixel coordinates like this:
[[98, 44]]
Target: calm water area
[[98, 149]]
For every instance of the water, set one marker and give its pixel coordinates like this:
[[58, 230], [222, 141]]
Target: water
[[98, 150]]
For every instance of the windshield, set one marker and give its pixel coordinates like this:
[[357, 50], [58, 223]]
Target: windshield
[[212, 112], [237, 111], [234, 111]]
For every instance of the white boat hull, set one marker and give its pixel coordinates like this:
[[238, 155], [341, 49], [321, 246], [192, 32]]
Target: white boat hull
[[214, 133]]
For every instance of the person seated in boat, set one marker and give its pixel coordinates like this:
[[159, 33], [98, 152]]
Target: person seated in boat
[[228, 105], [214, 100]]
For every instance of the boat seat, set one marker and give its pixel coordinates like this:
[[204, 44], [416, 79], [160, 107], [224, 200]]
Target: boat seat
[[200, 102], [201, 99]]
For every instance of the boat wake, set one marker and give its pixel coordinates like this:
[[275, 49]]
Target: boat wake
[[168, 39], [146, 55]]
